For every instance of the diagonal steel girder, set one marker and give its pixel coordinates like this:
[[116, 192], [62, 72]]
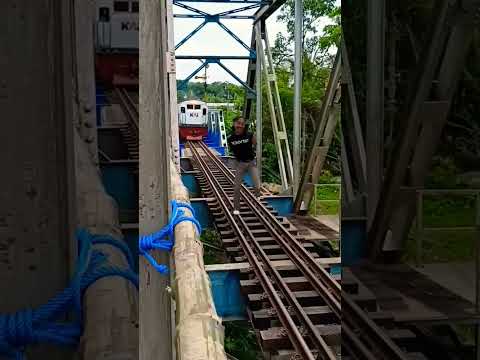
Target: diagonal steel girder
[[215, 18], [322, 137], [214, 60], [424, 117]]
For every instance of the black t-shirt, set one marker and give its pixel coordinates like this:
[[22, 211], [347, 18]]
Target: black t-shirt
[[242, 146]]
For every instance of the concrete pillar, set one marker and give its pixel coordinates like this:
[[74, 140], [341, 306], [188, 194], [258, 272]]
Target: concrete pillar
[[155, 155]]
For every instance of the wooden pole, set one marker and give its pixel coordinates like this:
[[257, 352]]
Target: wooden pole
[[155, 154], [110, 304], [199, 331]]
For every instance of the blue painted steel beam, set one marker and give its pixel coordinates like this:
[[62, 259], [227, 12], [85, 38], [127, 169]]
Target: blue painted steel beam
[[214, 18], [232, 74], [262, 2], [192, 9], [233, 35], [234, 11], [185, 39], [213, 57], [193, 16], [213, 60], [184, 83]]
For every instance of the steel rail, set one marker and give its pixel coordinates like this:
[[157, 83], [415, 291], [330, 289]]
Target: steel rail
[[332, 295], [327, 288], [129, 107], [283, 313]]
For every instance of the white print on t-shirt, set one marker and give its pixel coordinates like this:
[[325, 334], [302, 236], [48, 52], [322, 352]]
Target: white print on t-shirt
[[238, 142]]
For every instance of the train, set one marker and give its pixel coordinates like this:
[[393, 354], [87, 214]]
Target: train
[[192, 120], [116, 41]]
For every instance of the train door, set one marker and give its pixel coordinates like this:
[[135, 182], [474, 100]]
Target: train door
[[182, 115], [104, 28], [213, 121], [221, 125], [204, 115]]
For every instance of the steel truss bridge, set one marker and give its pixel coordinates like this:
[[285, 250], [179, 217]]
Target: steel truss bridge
[[378, 182]]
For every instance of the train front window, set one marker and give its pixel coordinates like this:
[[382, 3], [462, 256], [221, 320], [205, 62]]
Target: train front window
[[197, 107], [120, 6], [204, 111], [190, 107], [135, 7], [182, 110]]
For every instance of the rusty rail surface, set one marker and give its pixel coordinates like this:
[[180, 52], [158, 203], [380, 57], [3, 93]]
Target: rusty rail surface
[[129, 106], [130, 130], [362, 338]]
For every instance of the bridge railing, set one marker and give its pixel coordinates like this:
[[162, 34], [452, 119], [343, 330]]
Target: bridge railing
[[199, 330], [317, 200], [421, 228]]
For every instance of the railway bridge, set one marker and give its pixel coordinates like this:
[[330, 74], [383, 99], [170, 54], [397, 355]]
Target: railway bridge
[[308, 289], [303, 299]]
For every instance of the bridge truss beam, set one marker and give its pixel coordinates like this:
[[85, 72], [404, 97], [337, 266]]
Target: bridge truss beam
[[260, 66], [425, 115], [329, 115], [215, 18], [381, 189]]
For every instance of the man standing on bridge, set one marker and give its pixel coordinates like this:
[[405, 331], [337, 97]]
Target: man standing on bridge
[[242, 143]]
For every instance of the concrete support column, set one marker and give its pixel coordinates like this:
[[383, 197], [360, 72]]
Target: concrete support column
[[154, 183]]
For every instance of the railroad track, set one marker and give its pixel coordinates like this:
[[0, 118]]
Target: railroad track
[[130, 130], [300, 305]]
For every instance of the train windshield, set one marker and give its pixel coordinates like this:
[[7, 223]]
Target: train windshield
[[190, 106], [197, 107], [120, 6], [135, 7]]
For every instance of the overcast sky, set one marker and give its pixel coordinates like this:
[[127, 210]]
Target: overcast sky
[[213, 40]]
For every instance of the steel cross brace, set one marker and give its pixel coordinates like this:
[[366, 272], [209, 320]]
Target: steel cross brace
[[324, 132], [260, 2], [199, 14], [214, 18], [423, 118], [213, 60]]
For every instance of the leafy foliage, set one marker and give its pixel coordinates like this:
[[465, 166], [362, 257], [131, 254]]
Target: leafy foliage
[[317, 60], [240, 341], [212, 245]]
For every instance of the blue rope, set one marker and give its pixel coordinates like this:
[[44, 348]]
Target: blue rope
[[163, 239], [42, 325]]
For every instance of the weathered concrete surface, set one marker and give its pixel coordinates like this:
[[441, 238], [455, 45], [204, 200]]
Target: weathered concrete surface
[[84, 65], [156, 340], [199, 330], [111, 304]]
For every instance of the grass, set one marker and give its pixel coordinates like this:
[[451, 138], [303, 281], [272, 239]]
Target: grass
[[328, 200], [466, 333], [445, 245], [449, 212]]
